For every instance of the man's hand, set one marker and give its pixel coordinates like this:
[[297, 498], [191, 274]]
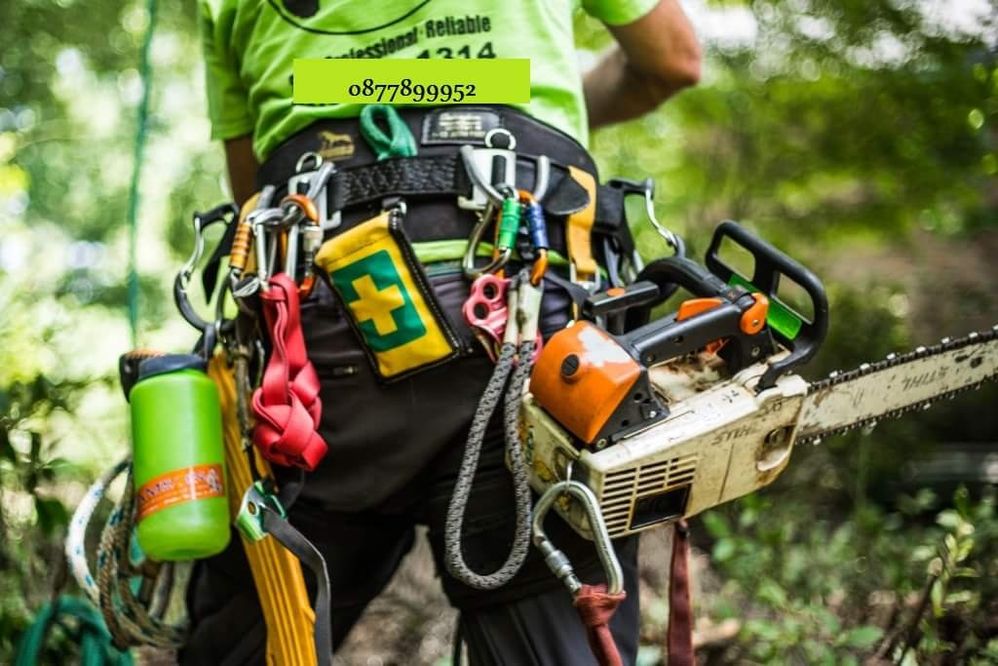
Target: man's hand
[[242, 167], [657, 56]]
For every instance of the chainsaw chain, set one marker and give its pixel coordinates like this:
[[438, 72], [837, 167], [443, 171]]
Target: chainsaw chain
[[945, 345]]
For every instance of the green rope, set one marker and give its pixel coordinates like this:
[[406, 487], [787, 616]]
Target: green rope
[[399, 141], [145, 74], [87, 626]]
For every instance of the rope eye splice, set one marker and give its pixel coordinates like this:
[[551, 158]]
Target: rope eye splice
[[596, 604]]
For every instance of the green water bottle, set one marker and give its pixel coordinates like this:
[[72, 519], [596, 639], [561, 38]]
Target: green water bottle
[[179, 460]]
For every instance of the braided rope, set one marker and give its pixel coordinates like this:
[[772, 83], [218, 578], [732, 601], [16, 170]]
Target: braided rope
[[127, 619], [453, 553], [77, 534]]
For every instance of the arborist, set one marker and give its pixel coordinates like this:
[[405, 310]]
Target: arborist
[[396, 415]]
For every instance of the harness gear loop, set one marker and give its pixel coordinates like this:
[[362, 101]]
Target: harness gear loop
[[398, 142], [287, 404], [579, 227]]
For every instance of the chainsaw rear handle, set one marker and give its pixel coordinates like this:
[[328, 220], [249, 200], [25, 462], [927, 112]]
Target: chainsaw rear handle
[[669, 274], [770, 265]]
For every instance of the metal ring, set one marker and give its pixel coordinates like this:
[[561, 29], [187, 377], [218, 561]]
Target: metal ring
[[310, 155], [500, 130]]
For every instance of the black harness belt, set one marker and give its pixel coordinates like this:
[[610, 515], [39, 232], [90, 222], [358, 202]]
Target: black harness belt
[[432, 181]]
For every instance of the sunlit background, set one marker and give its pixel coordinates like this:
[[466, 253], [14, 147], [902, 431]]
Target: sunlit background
[[858, 135]]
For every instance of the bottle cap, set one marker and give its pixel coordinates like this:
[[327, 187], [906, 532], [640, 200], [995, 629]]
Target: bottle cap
[[161, 365]]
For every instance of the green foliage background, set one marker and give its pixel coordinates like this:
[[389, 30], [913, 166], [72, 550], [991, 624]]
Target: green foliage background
[[858, 135]]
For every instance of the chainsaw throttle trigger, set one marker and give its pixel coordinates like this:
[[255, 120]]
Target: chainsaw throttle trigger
[[801, 334], [615, 302]]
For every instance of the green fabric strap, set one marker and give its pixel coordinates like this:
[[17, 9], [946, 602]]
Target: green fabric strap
[[399, 141], [432, 252], [95, 641]]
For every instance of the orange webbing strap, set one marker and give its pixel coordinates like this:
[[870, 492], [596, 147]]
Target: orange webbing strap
[[679, 644], [277, 574], [579, 229]]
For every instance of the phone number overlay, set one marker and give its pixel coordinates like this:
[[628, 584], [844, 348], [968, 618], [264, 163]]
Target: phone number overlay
[[411, 81], [405, 92]]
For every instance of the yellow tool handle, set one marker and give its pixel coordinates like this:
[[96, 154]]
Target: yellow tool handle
[[579, 230], [277, 573]]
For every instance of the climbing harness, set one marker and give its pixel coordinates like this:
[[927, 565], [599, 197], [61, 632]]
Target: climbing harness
[[275, 243]]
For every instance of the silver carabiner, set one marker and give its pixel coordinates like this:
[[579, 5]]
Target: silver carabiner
[[259, 221], [556, 560]]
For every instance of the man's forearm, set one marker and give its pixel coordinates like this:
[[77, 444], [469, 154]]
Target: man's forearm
[[657, 56], [242, 166], [615, 91]]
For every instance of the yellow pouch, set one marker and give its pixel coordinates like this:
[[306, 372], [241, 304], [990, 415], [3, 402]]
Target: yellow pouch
[[390, 302]]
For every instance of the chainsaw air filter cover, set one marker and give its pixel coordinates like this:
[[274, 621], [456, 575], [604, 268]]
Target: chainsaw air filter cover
[[581, 378]]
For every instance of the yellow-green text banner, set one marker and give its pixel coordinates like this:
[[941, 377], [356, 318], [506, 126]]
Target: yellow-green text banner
[[411, 81]]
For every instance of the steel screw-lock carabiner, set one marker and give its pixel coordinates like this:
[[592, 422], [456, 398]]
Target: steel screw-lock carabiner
[[556, 560]]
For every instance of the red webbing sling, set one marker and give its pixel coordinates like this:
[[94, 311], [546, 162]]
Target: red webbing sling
[[596, 607], [287, 405], [679, 644]]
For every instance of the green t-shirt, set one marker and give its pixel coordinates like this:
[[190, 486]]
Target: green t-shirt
[[249, 48]]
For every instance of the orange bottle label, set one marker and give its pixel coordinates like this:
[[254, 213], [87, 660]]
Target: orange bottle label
[[180, 486]]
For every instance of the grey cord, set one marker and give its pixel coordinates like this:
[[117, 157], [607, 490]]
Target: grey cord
[[453, 554]]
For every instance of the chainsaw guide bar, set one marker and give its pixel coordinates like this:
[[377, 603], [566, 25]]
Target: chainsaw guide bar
[[897, 385]]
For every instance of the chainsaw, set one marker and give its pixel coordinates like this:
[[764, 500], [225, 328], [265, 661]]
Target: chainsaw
[[666, 418]]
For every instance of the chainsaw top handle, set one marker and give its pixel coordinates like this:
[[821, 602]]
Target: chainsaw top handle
[[801, 334]]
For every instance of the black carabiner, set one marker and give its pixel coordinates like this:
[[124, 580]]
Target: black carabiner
[[226, 213]]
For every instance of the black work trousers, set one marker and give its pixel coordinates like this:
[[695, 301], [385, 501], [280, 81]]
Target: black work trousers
[[529, 622], [394, 454]]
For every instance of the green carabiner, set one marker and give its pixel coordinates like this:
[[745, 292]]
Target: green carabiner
[[257, 499]]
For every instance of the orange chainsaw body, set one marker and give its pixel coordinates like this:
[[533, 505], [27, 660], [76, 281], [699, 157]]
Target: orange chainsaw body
[[580, 378]]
